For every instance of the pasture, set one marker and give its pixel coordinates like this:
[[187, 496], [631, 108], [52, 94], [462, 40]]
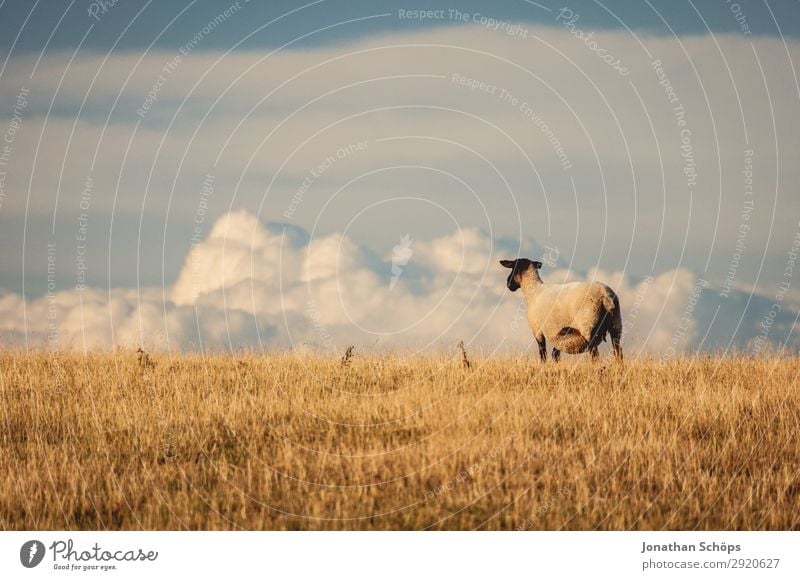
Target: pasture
[[301, 441]]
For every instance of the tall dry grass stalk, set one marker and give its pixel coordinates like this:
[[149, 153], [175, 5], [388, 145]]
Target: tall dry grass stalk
[[285, 441]]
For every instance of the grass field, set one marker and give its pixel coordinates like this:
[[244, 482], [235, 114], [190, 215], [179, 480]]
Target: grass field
[[285, 441]]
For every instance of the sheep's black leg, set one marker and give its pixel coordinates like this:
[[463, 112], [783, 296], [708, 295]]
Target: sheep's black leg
[[556, 355], [594, 353], [616, 338], [542, 349]]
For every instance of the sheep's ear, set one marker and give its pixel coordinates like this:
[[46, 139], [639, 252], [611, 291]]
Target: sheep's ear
[[536, 265], [507, 263]]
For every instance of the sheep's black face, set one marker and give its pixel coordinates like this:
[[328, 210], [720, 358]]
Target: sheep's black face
[[511, 282], [518, 268]]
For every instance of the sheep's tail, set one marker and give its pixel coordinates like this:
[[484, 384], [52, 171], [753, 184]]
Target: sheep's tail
[[610, 302], [610, 320]]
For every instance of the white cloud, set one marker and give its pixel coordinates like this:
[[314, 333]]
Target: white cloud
[[242, 277]]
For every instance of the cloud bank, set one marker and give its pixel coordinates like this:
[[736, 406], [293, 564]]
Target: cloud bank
[[251, 284]]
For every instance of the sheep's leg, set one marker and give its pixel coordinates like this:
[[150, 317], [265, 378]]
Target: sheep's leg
[[594, 352], [616, 332], [556, 355], [616, 338], [542, 349]]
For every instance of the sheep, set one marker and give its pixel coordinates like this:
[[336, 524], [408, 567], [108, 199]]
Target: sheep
[[574, 317]]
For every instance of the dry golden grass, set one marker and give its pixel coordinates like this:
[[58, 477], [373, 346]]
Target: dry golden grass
[[285, 441]]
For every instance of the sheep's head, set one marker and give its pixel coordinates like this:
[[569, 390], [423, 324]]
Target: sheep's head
[[518, 268]]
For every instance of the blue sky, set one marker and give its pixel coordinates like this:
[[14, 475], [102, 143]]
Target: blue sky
[[347, 126], [145, 21]]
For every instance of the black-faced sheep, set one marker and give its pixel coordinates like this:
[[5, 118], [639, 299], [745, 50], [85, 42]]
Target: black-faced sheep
[[574, 317]]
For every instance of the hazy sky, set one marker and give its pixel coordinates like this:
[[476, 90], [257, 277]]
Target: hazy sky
[[337, 172]]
